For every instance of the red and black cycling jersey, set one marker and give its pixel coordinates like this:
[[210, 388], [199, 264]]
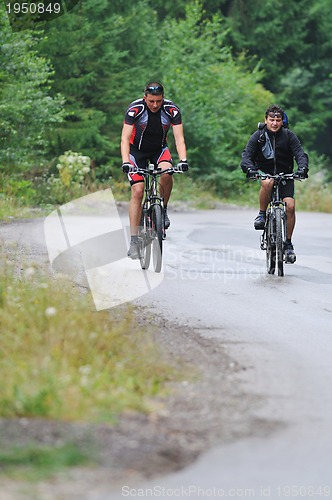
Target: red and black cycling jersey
[[150, 129]]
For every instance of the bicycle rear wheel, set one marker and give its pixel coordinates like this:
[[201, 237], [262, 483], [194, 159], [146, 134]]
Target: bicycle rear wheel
[[279, 240], [270, 246], [145, 240], [157, 243]]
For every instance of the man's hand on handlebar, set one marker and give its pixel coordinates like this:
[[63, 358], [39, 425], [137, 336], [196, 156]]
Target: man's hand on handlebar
[[301, 173], [126, 167], [252, 173], [183, 166]]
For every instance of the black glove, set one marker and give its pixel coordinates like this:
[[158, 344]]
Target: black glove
[[126, 166], [183, 166], [301, 173], [252, 173]]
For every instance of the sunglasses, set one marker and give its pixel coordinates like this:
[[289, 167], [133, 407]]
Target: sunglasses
[[154, 89], [274, 115]]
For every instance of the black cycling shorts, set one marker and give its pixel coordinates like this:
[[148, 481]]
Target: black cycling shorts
[[286, 189], [140, 159]]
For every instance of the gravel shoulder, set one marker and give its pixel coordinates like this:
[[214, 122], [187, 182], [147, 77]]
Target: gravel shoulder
[[206, 410]]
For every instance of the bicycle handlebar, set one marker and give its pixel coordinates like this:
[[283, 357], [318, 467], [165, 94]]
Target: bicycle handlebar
[[153, 170], [280, 176]]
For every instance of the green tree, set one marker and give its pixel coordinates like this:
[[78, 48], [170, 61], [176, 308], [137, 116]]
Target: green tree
[[292, 41], [103, 57], [307, 85], [172, 9], [102, 54], [220, 99], [27, 112]]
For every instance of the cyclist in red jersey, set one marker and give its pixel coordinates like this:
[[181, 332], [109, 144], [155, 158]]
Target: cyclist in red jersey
[[144, 138]]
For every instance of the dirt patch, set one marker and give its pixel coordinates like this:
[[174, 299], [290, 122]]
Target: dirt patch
[[204, 410], [198, 414]]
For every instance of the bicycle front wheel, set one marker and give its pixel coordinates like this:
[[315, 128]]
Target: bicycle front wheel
[[157, 243], [279, 213], [270, 245], [145, 240]]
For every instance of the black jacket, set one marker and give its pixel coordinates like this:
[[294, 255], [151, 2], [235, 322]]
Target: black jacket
[[286, 147]]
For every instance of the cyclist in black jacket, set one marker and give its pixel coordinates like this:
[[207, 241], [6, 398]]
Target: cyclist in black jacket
[[272, 149]]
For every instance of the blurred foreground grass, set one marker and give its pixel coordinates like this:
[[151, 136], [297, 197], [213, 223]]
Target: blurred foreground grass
[[60, 359], [33, 463]]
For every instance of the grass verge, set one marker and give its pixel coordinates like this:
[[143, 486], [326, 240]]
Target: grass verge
[[33, 463], [315, 194], [62, 360]]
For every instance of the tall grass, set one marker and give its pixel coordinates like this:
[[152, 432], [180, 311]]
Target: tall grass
[[313, 194], [36, 462], [10, 209], [61, 359], [26, 199]]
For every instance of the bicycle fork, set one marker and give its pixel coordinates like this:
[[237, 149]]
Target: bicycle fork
[[158, 201], [270, 225], [266, 231]]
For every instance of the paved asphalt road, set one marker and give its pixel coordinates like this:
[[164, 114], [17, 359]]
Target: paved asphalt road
[[278, 327]]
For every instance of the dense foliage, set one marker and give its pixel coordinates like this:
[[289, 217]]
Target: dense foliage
[[222, 61], [293, 42], [27, 110]]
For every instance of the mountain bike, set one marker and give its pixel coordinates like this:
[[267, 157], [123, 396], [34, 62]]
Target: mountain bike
[[274, 234], [152, 231]]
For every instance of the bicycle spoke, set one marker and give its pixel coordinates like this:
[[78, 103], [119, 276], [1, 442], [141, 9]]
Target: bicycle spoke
[[158, 237], [145, 239], [279, 241], [270, 245]]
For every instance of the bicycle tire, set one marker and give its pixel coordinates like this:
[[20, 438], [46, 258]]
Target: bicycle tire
[[157, 243], [279, 241], [145, 241], [270, 246]]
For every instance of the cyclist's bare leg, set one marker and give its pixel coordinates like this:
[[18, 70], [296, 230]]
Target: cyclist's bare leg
[[290, 210], [265, 193], [135, 207], [166, 182]]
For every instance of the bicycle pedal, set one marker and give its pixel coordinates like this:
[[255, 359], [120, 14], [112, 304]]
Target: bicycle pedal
[[263, 244], [290, 259]]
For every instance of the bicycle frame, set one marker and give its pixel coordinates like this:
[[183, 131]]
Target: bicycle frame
[[274, 234], [152, 195], [152, 228]]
